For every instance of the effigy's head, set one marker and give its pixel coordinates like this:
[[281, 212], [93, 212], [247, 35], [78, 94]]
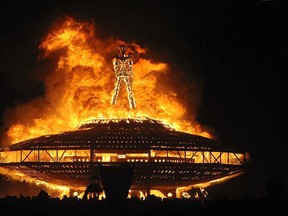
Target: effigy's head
[[122, 49]]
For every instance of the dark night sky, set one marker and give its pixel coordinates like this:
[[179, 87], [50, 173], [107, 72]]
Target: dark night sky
[[237, 50]]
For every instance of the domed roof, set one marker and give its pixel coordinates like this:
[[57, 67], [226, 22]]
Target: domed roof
[[120, 133]]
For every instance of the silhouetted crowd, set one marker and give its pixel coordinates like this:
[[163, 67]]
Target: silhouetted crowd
[[44, 205], [275, 202]]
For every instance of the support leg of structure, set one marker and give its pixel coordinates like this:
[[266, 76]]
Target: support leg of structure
[[116, 181]]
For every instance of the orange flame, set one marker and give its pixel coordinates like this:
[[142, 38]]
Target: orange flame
[[81, 84]]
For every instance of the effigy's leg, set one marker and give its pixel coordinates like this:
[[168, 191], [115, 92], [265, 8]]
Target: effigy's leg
[[131, 99], [116, 92]]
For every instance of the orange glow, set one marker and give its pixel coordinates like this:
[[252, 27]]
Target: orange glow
[[53, 189], [180, 190], [80, 86]]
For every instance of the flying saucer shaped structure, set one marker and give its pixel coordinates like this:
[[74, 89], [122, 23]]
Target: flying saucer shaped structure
[[161, 157]]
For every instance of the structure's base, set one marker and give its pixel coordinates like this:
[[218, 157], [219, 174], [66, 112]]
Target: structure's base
[[116, 181]]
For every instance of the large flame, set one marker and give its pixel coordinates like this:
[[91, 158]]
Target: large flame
[[80, 86]]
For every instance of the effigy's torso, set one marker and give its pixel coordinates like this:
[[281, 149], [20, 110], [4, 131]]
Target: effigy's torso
[[123, 67]]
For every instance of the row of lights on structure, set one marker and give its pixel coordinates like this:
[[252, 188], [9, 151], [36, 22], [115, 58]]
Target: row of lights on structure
[[128, 160]]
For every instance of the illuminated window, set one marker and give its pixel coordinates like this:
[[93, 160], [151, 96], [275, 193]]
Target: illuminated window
[[105, 158], [121, 156]]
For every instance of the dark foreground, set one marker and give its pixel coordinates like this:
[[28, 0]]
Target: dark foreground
[[42, 205]]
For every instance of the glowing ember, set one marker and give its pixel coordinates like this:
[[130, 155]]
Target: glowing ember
[[81, 85]]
